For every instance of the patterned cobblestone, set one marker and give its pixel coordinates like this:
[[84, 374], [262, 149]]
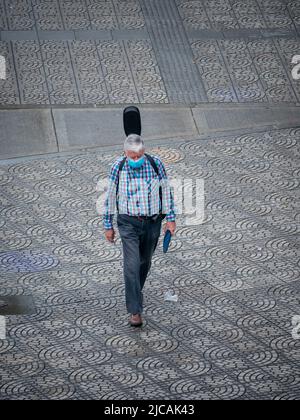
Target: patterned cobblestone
[[237, 276], [171, 51], [82, 72], [231, 14], [248, 71], [66, 14]]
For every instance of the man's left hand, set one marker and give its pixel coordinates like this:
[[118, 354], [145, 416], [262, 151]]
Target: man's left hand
[[171, 226]]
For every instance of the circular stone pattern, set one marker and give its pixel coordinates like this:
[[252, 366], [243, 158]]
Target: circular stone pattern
[[26, 262]]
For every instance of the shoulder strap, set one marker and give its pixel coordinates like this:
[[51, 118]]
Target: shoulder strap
[[121, 166], [153, 164]]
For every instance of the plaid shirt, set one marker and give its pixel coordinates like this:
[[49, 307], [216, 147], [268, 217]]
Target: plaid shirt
[[138, 192]]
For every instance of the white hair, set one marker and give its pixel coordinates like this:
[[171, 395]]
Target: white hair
[[134, 143]]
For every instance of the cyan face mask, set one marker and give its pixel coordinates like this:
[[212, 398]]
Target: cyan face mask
[[136, 164]]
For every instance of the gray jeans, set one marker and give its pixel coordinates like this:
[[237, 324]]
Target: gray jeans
[[139, 239]]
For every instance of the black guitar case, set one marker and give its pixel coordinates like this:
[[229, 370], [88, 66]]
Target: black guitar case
[[132, 121]]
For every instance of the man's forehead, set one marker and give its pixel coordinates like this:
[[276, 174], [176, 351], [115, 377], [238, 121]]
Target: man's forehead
[[134, 154]]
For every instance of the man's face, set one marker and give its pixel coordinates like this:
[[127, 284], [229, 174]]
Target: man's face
[[135, 156]]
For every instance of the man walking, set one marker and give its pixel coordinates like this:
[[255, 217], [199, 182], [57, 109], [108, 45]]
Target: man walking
[[140, 191]]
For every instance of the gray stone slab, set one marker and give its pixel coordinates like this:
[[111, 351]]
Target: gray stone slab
[[164, 122], [18, 35], [56, 35], [26, 132], [241, 33], [234, 118], [87, 128], [130, 34], [277, 33], [204, 34], [77, 129], [93, 35]]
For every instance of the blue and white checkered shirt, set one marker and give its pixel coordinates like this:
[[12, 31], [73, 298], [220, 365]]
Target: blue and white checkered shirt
[[138, 192]]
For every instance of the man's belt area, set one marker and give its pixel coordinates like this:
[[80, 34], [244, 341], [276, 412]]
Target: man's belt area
[[154, 218]]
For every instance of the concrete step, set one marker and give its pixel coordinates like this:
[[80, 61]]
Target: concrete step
[[29, 131]]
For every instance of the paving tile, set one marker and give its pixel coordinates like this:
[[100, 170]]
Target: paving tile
[[15, 123]]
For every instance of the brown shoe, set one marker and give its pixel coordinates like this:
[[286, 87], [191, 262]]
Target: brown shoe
[[136, 320]]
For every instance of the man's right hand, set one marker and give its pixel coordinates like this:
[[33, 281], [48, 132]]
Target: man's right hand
[[110, 235]]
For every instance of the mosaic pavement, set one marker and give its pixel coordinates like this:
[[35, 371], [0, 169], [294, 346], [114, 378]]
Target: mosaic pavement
[[237, 276], [87, 52]]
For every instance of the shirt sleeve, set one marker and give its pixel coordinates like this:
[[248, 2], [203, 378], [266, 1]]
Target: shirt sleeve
[[168, 197], [111, 196]]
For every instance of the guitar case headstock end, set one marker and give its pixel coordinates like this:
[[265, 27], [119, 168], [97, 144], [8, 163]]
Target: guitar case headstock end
[[132, 121]]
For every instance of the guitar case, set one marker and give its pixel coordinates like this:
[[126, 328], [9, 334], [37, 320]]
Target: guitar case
[[132, 121]]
